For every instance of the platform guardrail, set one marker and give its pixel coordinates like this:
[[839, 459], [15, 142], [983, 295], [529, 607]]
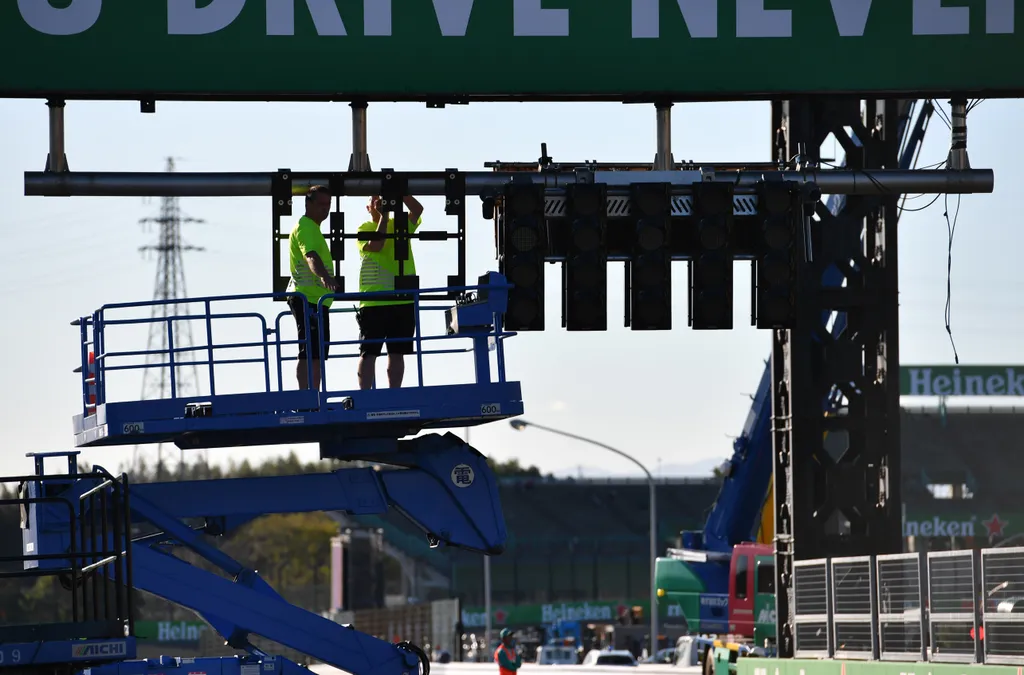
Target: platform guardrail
[[964, 607], [264, 340]]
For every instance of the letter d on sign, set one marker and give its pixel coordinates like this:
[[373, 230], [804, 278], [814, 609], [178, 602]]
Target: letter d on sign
[[185, 17], [78, 17]]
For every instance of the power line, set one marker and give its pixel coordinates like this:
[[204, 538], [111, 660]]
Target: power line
[[169, 285]]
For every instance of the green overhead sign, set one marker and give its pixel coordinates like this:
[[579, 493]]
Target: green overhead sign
[[493, 49], [962, 381]]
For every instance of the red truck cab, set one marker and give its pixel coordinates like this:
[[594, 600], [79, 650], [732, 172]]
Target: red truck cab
[[744, 574]]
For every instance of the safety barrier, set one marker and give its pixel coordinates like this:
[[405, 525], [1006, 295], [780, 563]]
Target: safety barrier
[[1002, 576], [100, 361], [961, 607], [812, 590]]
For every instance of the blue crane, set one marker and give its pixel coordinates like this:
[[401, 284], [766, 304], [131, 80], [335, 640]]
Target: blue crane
[[736, 514], [104, 538]]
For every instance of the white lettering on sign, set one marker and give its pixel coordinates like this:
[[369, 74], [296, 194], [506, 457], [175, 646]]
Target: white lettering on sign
[[453, 16], [185, 17], [700, 17], [938, 527], [754, 21], [851, 16], [932, 18], [530, 19], [376, 18], [78, 17], [927, 382], [326, 19]]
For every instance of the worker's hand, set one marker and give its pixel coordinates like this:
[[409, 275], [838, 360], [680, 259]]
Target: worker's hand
[[374, 208], [331, 283]]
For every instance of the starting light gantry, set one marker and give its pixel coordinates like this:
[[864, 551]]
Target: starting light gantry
[[582, 215]]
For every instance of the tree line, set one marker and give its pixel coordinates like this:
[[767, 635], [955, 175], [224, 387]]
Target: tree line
[[290, 551]]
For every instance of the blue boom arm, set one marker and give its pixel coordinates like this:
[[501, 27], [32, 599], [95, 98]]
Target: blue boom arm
[[447, 489], [736, 514]]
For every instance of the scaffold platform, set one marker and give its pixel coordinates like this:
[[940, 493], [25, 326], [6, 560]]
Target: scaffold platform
[[270, 414]]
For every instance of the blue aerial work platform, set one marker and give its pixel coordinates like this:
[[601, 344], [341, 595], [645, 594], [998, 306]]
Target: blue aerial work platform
[[79, 526]]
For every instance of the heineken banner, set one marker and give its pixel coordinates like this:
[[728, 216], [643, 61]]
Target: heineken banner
[[533, 615], [177, 633], [982, 524], [962, 381]]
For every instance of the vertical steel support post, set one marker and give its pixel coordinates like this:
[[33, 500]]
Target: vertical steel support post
[[663, 159], [360, 158], [837, 472], [56, 160]]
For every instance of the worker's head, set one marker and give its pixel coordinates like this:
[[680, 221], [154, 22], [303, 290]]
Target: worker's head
[[318, 203], [506, 637]]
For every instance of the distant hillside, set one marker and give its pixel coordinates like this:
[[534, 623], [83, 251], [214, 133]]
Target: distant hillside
[[702, 468]]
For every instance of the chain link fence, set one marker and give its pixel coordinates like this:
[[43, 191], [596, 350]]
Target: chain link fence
[[960, 607]]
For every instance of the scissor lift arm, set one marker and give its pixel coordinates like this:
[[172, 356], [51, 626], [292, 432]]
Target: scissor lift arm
[[445, 487]]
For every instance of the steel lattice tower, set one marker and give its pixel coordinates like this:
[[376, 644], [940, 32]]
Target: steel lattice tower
[[169, 284]]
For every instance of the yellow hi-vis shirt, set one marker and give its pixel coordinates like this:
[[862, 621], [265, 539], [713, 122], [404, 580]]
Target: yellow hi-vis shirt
[[305, 237], [378, 269]]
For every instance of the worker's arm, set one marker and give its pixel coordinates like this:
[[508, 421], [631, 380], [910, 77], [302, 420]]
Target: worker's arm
[[374, 245], [415, 212], [321, 271]]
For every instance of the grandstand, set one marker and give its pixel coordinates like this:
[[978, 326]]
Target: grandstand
[[569, 539], [958, 456]]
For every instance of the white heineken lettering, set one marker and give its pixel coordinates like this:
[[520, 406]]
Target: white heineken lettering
[[77, 17], [938, 527], [932, 18], [186, 17], [530, 19], [177, 631], [581, 612], [952, 382]]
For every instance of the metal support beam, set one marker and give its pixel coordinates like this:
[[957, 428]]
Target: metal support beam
[[837, 473], [56, 160], [663, 159], [360, 158], [958, 158], [858, 182]]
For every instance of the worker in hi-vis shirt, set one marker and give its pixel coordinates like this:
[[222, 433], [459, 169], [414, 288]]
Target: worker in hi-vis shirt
[[505, 655], [311, 264], [385, 318]]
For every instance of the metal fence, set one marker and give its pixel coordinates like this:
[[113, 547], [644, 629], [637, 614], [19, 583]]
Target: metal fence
[[942, 606]]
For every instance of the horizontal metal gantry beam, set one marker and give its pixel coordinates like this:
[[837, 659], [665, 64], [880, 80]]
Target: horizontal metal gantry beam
[[846, 182]]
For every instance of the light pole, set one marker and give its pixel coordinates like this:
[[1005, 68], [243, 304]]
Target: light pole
[[519, 425], [487, 591]]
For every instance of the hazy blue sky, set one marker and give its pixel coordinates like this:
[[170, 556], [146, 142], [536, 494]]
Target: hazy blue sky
[[671, 398]]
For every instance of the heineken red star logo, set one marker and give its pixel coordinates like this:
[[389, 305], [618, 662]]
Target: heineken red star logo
[[500, 616], [995, 526]]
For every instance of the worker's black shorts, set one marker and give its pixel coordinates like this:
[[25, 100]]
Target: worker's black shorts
[[387, 322], [317, 328]]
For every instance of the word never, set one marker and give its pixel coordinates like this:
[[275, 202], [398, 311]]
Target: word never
[[529, 17]]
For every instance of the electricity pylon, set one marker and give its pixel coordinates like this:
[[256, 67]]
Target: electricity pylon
[[169, 285]]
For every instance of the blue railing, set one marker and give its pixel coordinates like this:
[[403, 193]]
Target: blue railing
[[98, 362]]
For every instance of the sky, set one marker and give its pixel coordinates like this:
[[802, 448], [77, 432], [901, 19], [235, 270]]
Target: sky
[[674, 400]]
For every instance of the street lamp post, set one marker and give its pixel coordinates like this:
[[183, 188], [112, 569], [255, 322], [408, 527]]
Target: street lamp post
[[519, 425]]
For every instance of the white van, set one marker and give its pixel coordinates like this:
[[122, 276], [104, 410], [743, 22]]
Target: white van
[[556, 655]]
